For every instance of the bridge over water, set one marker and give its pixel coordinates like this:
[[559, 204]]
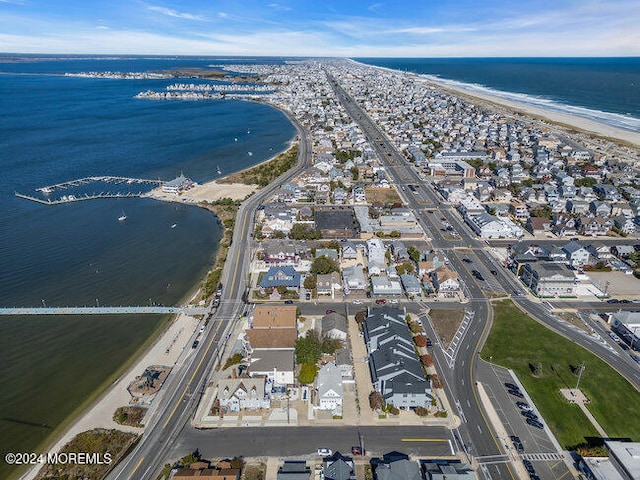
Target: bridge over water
[[102, 310]]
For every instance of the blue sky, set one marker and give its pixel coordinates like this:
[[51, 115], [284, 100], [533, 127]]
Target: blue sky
[[427, 28]]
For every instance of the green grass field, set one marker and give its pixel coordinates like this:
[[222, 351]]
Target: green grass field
[[516, 341]]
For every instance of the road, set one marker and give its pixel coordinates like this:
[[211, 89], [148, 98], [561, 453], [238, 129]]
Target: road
[[184, 387], [475, 436]]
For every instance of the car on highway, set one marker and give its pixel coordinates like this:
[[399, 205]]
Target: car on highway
[[494, 273], [530, 415], [195, 343], [614, 337], [524, 406], [477, 274], [202, 328], [535, 423], [429, 342], [511, 386], [381, 301], [324, 452], [529, 466], [516, 393], [467, 260]]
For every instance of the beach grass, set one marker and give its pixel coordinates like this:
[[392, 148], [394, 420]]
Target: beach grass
[[518, 342]]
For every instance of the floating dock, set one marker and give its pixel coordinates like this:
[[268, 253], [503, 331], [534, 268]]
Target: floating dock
[[73, 198]]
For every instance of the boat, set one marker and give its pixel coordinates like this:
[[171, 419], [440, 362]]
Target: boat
[[174, 225], [219, 171], [250, 154], [47, 190], [122, 217], [248, 130], [235, 139]]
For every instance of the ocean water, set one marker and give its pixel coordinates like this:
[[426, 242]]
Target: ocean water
[[602, 89], [54, 129]]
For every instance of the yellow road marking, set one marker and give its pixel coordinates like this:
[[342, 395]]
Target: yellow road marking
[[443, 440], [192, 377], [134, 470]]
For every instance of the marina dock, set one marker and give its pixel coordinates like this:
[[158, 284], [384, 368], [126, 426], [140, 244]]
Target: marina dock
[[124, 181]]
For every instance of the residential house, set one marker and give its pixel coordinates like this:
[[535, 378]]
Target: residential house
[[277, 365], [382, 286], [396, 371], [235, 394], [338, 467], [327, 252], [538, 225], [451, 470], [578, 207], [354, 279], [206, 474], [547, 279], [397, 469], [625, 224], [328, 284], [376, 251], [445, 282], [564, 226], [329, 389], [623, 251], [600, 208], [333, 325], [576, 254], [294, 470], [349, 250], [411, 284], [596, 226], [285, 276], [344, 362], [399, 251], [519, 210], [489, 226]]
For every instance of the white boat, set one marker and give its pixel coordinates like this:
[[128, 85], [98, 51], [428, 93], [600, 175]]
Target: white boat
[[122, 217], [250, 154], [235, 139], [249, 130], [174, 225], [219, 171]]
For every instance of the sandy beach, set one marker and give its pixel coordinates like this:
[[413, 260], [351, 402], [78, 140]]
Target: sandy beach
[[208, 192], [568, 120], [165, 351]]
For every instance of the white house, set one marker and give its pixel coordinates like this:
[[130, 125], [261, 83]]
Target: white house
[[376, 251], [237, 394], [329, 387]]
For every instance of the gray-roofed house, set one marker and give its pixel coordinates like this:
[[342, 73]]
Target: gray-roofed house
[[327, 252], [576, 254], [396, 371], [349, 250], [385, 286], [411, 284], [354, 278], [276, 365], [344, 362], [327, 284], [237, 394], [294, 470], [333, 325], [401, 469], [338, 467], [547, 279], [329, 387]]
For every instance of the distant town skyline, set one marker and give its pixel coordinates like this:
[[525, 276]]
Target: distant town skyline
[[428, 28]]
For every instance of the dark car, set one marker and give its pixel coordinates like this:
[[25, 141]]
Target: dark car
[[195, 343], [511, 386], [330, 311], [613, 300], [357, 451], [529, 466], [534, 423], [467, 260], [516, 393], [530, 415], [624, 300], [429, 342], [494, 272], [288, 302], [381, 301]]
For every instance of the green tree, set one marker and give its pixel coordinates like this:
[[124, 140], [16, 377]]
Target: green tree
[[300, 231], [361, 316], [310, 282], [354, 171], [278, 234], [307, 373], [406, 267], [585, 182], [542, 211], [330, 345], [414, 253], [308, 348], [323, 265]]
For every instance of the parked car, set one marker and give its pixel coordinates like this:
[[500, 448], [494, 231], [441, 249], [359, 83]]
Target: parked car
[[535, 423], [288, 302], [381, 301], [324, 452], [511, 386], [494, 272], [393, 300], [614, 337], [202, 328], [517, 443], [330, 311], [613, 300], [516, 393], [195, 343], [529, 466], [524, 406], [529, 415], [429, 342], [357, 451]]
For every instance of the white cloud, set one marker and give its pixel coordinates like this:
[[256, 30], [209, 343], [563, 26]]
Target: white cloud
[[169, 12]]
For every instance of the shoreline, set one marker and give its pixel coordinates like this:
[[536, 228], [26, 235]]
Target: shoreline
[[628, 138], [92, 412]]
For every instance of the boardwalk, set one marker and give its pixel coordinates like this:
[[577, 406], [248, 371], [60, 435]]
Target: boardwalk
[[102, 310]]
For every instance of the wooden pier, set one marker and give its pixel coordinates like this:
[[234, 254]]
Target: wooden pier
[[73, 198], [84, 181]]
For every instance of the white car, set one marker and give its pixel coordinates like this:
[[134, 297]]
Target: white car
[[324, 452], [357, 302], [393, 301], [202, 328]]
